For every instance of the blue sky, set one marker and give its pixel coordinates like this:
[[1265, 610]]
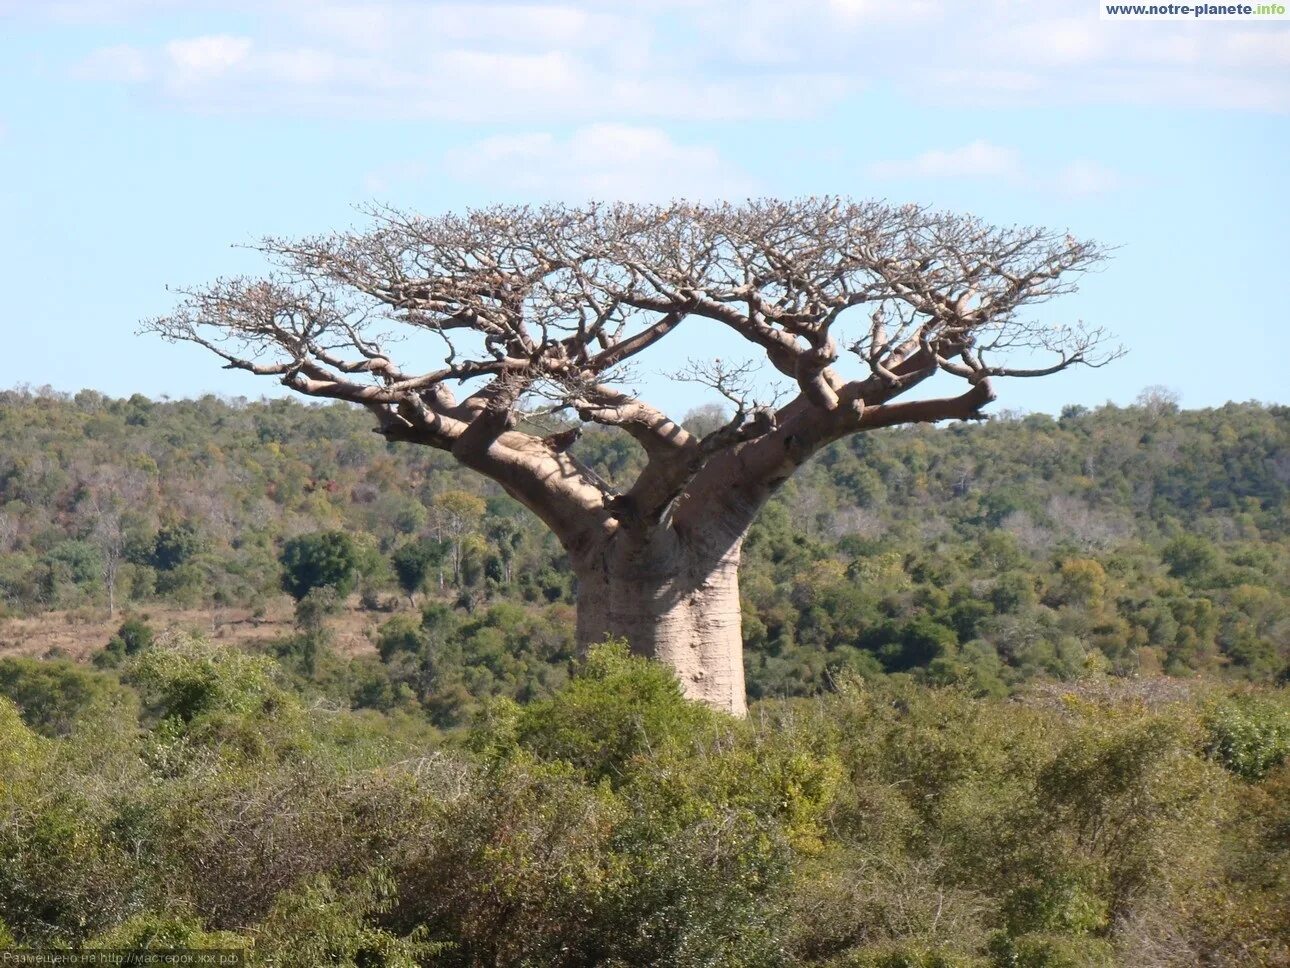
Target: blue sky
[[140, 138]]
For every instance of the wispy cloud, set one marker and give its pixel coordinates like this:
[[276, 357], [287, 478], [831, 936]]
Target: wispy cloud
[[1084, 177], [87, 11], [599, 161], [459, 84], [585, 61], [884, 11], [982, 160], [200, 57], [118, 63]]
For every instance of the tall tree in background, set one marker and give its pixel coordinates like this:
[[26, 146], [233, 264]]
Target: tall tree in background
[[541, 312], [454, 516]]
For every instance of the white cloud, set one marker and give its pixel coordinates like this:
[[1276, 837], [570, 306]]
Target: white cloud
[[370, 27], [1262, 49], [120, 63], [1081, 59], [1094, 44], [551, 74], [599, 161], [883, 10], [532, 25], [980, 159], [1084, 177], [862, 38], [87, 11], [226, 73], [303, 67], [205, 56], [1063, 42], [391, 26], [384, 179], [583, 61]]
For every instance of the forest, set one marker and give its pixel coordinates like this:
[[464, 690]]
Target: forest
[[1017, 699]]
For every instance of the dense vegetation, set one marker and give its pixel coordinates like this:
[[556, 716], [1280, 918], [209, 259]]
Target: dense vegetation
[[1134, 540], [1021, 704], [191, 798]]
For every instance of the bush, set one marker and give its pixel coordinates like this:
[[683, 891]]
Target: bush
[[184, 678], [163, 932], [131, 638], [63, 872], [321, 923], [54, 695], [327, 558], [615, 823], [1052, 951], [618, 708], [1249, 735], [414, 562]]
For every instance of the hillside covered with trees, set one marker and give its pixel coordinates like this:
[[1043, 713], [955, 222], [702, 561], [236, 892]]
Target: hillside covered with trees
[[1136, 541]]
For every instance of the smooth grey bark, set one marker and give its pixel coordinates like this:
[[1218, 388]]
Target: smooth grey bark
[[675, 599]]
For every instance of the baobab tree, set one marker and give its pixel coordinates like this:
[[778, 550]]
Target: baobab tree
[[542, 312]]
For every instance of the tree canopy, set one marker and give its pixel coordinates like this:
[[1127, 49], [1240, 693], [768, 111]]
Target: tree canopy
[[543, 311]]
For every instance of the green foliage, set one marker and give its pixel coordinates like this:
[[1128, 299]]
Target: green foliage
[[75, 561], [617, 708], [1132, 540], [902, 646], [319, 923], [184, 678], [622, 825], [134, 636], [1249, 735], [165, 932], [403, 633], [325, 559], [1190, 557], [413, 563], [53, 696], [963, 755], [1052, 951], [62, 872], [20, 749], [175, 545], [614, 823]]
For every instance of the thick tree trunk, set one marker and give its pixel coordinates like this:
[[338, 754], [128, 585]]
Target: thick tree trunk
[[674, 600]]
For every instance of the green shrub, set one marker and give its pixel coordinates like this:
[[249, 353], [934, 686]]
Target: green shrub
[[908, 956], [131, 638], [1249, 735], [322, 923], [160, 932], [63, 873], [618, 708], [1052, 951], [184, 677], [327, 558], [53, 695]]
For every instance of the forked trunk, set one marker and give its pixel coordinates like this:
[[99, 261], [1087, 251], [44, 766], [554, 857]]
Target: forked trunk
[[675, 601]]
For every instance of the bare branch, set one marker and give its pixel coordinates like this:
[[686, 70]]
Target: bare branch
[[550, 303]]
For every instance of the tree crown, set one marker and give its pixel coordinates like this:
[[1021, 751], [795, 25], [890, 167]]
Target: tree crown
[[542, 312]]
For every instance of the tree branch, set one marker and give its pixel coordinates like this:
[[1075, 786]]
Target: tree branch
[[553, 301]]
